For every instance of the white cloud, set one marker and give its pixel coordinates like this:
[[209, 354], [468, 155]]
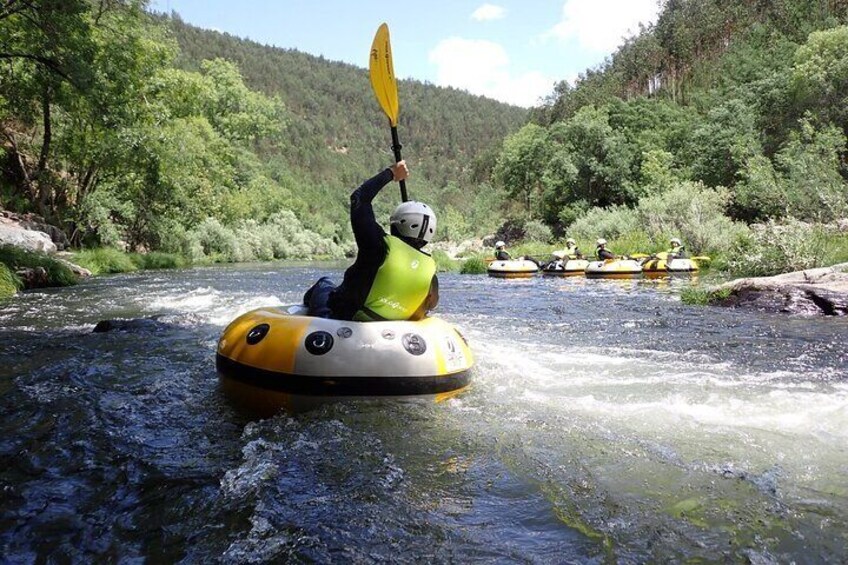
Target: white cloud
[[488, 12], [600, 25], [482, 67]]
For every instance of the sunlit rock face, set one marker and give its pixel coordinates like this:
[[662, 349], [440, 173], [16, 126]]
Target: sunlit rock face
[[810, 292]]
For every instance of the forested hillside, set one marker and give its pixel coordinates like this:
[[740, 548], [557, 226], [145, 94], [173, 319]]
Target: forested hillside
[[337, 134], [722, 114], [130, 129]]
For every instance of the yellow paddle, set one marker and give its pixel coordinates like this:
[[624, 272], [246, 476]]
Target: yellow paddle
[[385, 88]]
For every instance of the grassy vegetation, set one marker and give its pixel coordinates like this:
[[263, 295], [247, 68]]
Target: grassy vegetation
[[474, 265], [58, 274], [836, 250], [698, 296], [105, 260], [444, 264], [108, 260], [159, 260], [9, 282]]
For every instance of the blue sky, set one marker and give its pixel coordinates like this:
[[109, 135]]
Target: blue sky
[[510, 50]]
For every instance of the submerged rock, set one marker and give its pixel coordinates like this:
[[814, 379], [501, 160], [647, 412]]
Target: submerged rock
[[133, 325], [810, 292]]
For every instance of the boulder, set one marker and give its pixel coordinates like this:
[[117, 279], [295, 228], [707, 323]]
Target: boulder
[[36, 223], [12, 234], [810, 292], [463, 248], [80, 272]]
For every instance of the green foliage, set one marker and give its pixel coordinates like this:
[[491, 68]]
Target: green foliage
[[836, 249], [687, 210], [105, 260], [820, 75], [608, 223], [519, 167], [113, 132], [692, 212], [336, 135], [158, 260], [698, 296], [15, 258], [734, 95], [9, 282], [724, 142], [534, 230], [444, 264], [772, 248], [108, 260], [630, 243], [476, 265], [282, 236]]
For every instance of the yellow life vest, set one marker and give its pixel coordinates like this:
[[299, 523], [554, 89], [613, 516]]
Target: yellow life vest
[[401, 285]]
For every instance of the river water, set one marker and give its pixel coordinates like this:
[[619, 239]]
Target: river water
[[607, 422]]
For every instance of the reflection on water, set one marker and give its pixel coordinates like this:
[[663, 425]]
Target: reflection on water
[[606, 422]]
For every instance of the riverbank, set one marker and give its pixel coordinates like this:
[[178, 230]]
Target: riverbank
[[821, 291]]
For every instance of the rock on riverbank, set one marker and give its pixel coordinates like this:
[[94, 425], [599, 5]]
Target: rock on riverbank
[[33, 257], [810, 292]]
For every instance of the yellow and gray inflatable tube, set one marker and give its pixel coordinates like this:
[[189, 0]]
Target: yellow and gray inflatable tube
[[568, 268], [614, 269], [512, 269], [660, 264], [271, 357]]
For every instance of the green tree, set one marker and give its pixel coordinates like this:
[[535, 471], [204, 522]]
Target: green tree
[[521, 164], [821, 76]]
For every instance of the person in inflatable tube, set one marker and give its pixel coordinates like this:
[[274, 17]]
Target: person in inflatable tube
[[571, 250], [560, 257], [677, 250], [500, 252], [502, 255], [603, 253], [392, 278]]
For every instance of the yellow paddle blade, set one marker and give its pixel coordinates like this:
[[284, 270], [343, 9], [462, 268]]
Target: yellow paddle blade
[[703, 258], [383, 74], [639, 255]]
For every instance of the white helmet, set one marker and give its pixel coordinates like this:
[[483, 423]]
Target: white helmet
[[500, 244], [602, 241], [571, 241], [414, 220], [675, 240]]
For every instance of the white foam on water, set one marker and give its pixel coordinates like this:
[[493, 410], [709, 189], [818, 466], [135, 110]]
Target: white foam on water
[[193, 301], [211, 305], [240, 305], [658, 390]]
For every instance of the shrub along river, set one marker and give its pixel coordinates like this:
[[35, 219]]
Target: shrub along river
[[607, 422]]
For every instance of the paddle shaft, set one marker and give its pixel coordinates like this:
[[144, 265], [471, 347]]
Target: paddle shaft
[[396, 147]]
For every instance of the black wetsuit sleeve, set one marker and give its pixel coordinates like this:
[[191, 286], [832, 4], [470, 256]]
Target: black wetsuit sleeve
[[367, 232]]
